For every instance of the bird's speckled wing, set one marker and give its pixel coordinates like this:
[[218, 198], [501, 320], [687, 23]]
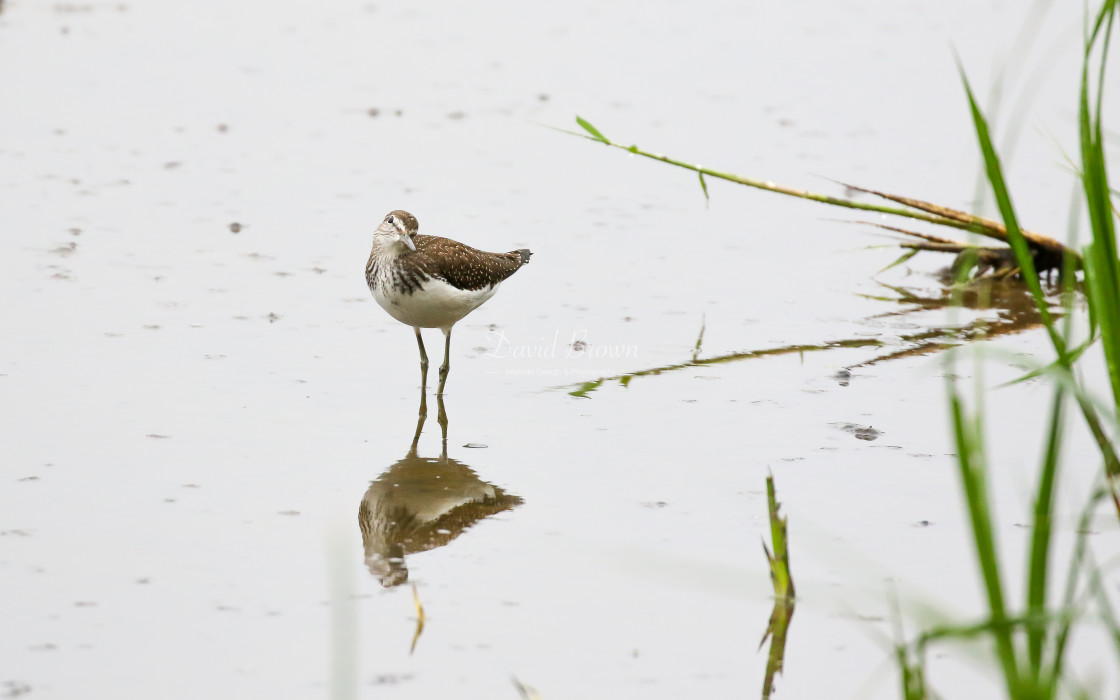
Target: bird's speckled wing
[[463, 266]]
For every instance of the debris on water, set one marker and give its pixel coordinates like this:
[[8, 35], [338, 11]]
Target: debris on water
[[391, 678], [860, 432], [158, 436], [843, 377], [235, 227], [475, 445]]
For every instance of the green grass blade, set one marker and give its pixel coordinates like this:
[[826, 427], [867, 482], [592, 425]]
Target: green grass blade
[[1030, 275], [1054, 368], [974, 225], [1079, 567], [902, 258], [780, 574], [970, 460], [1102, 268], [699, 339], [1014, 233], [595, 133], [1041, 537]]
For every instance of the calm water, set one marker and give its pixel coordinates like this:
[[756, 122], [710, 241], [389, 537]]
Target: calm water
[[212, 484]]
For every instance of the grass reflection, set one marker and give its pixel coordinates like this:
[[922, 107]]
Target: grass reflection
[[782, 614], [1014, 308]]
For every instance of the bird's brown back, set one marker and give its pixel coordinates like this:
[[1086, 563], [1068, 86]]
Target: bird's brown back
[[461, 265]]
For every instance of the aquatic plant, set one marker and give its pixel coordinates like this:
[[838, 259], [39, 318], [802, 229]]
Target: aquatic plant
[[784, 601], [1030, 644]]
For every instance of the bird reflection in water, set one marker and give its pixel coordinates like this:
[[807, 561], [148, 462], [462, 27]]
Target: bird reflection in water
[[420, 503]]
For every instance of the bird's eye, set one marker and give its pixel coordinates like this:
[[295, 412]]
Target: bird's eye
[[392, 219]]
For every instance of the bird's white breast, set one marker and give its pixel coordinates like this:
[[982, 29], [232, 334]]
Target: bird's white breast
[[436, 305]]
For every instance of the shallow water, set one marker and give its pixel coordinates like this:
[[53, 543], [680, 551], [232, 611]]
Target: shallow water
[[200, 395]]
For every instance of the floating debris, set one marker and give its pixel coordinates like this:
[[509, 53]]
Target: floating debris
[[860, 432]]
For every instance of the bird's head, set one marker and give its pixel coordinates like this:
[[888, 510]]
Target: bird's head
[[399, 227]]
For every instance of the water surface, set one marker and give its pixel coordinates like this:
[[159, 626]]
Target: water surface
[[201, 401]]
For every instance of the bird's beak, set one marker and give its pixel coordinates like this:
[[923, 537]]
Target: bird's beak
[[407, 240]]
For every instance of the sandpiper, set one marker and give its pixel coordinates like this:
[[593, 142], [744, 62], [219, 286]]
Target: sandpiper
[[432, 282]]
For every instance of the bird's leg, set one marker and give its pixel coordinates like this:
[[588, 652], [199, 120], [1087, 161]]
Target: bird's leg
[[423, 361], [443, 369], [442, 424], [421, 419]]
